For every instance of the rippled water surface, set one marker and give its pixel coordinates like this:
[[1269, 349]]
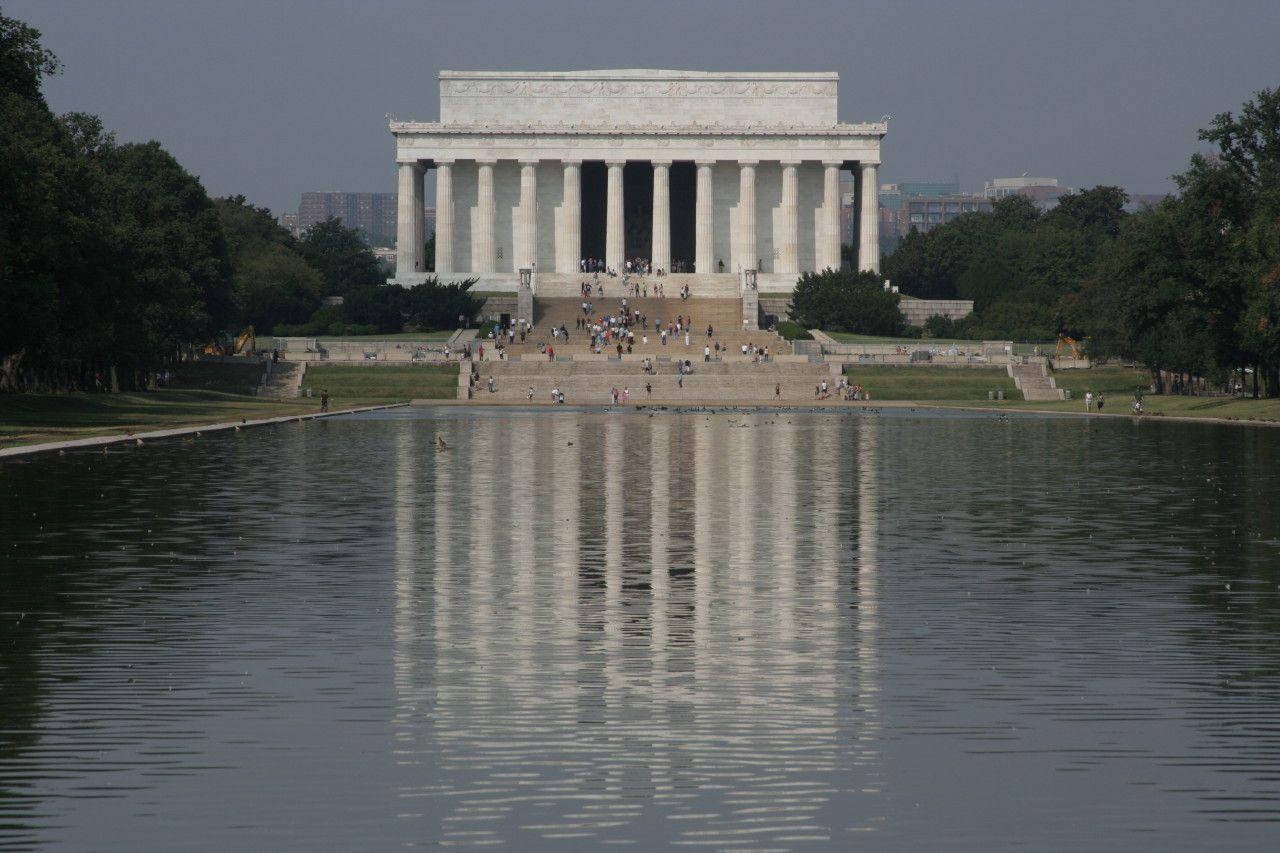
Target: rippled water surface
[[572, 629]]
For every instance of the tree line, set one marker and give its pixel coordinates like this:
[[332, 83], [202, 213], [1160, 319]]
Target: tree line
[[1189, 286], [115, 262]]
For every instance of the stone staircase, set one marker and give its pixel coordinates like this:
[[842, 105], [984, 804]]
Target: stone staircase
[[590, 382], [283, 379], [723, 315], [1034, 381], [701, 285]]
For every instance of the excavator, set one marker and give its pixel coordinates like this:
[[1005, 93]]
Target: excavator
[[1070, 345], [245, 343]]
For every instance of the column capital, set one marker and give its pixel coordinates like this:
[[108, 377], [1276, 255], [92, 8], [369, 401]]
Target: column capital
[[751, 163], [790, 162], [864, 163], [487, 161], [528, 161], [618, 163], [663, 163], [704, 162], [571, 163], [830, 163], [443, 161]]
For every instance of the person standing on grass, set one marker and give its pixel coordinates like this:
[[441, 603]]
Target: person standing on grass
[[324, 400], [1088, 401]]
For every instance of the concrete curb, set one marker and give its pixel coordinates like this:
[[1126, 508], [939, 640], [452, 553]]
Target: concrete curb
[[107, 440], [686, 403]]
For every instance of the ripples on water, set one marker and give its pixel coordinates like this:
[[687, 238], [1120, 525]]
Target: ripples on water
[[775, 630]]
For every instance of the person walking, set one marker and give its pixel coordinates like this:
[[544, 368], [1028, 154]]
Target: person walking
[[777, 390], [324, 400], [1088, 401]]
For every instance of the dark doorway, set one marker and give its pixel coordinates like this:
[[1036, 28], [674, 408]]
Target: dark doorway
[[637, 206], [595, 185], [684, 197]]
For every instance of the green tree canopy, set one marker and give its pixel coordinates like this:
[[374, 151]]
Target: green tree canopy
[[342, 258], [846, 302]]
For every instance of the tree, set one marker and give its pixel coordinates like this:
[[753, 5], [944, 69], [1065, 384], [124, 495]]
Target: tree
[[273, 283], [846, 302], [24, 63], [342, 257]]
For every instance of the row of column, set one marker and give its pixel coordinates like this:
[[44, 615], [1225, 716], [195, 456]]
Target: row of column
[[410, 235]]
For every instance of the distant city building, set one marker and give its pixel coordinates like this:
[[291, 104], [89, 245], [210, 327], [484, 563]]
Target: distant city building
[[1043, 191], [926, 212], [924, 204], [1137, 201], [373, 214], [289, 222]]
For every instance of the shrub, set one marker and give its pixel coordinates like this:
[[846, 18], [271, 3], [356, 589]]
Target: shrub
[[793, 331], [846, 302]]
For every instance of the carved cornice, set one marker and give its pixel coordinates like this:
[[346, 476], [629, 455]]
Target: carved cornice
[[533, 129], [639, 88]]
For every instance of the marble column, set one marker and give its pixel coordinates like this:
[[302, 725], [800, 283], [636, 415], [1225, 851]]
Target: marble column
[[444, 217], [527, 252], [747, 215], [569, 246], [661, 215], [615, 233], [829, 258], [409, 221], [482, 242], [869, 219], [789, 241], [704, 251]]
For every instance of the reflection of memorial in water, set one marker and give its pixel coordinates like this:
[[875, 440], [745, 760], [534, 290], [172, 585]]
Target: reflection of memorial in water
[[635, 619]]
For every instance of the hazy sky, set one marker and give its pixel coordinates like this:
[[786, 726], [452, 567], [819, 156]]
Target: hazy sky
[[271, 98]]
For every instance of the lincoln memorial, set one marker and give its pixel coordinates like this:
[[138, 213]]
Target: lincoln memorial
[[712, 173]]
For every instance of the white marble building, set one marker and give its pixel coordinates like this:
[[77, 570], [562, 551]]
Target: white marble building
[[718, 172]]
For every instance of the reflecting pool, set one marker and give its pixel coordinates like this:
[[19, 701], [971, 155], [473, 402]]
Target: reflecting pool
[[732, 630]]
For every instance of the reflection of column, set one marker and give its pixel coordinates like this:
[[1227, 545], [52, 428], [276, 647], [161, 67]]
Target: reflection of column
[[407, 554], [409, 220], [704, 548], [615, 228], [523, 561], [829, 257], [704, 251], [570, 246], [527, 252], [613, 449], [444, 217], [565, 522], [868, 599], [746, 214], [789, 244], [482, 246], [869, 217], [661, 215]]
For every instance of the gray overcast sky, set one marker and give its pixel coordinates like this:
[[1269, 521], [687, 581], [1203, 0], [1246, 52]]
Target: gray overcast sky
[[270, 98]]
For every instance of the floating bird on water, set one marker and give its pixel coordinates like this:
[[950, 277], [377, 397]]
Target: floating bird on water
[[440, 445]]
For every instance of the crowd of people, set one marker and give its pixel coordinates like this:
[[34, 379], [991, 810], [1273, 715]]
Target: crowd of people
[[631, 266]]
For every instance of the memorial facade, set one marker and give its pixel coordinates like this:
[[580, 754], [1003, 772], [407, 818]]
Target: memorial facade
[[707, 172]]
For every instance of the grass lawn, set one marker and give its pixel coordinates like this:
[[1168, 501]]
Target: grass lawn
[[1244, 409], [968, 384], [230, 378], [398, 336], [35, 418], [355, 385], [1019, 348], [1117, 384]]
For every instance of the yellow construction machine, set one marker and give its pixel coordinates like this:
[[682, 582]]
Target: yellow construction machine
[[245, 343], [1069, 345]]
